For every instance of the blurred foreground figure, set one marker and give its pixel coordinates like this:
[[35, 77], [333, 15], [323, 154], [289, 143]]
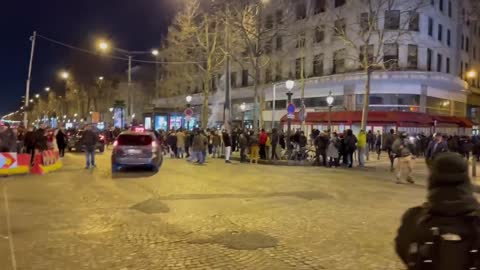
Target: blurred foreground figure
[[444, 233]]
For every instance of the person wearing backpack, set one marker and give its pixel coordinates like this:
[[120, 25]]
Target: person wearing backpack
[[403, 150], [444, 232]]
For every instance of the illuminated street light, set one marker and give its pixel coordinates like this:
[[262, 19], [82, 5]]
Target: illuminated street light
[[100, 78], [75, 115], [64, 75], [189, 99], [37, 96], [64, 117], [155, 52], [31, 100], [47, 89], [243, 106], [472, 74], [103, 45], [111, 109]]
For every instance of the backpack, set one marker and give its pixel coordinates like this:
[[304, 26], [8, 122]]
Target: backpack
[[443, 243]]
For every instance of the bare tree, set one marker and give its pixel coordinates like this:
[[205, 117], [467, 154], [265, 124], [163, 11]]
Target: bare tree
[[372, 40], [195, 37]]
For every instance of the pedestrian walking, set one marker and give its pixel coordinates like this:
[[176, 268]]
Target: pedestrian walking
[[216, 142], [199, 146], [350, 146], [234, 138], [389, 138], [275, 143], [40, 140], [227, 143], [442, 233], [243, 144], [61, 138], [262, 142], [378, 144], [180, 143], [404, 152], [172, 143], [89, 140], [321, 144], [254, 147], [332, 150], [362, 148], [370, 142], [29, 143]]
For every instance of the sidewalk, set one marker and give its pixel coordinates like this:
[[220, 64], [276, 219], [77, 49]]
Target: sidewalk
[[420, 170]]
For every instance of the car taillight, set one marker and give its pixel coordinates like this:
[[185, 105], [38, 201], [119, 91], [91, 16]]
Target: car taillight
[[115, 143]]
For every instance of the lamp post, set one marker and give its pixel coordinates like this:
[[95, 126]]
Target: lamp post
[[188, 99], [243, 107], [472, 74], [47, 89], [330, 99], [289, 84], [155, 53]]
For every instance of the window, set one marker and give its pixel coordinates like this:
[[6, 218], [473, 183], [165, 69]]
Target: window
[[340, 27], [450, 9], [300, 68], [245, 78], [430, 27], [449, 38], [432, 2], [318, 65], [440, 32], [429, 59], [440, 5], [269, 22], [463, 42], [467, 44], [301, 11], [412, 60], [300, 40], [414, 24], [369, 51], [278, 71], [319, 6], [339, 3], [319, 34], [268, 75], [390, 55], [364, 21], [448, 65], [233, 79], [279, 17], [392, 19], [461, 69], [279, 43], [339, 61], [439, 63]]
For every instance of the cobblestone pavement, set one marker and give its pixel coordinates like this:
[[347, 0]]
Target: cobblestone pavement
[[217, 216]]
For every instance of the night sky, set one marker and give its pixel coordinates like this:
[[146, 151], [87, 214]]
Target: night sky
[[130, 24]]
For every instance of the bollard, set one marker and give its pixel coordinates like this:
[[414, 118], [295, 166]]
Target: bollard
[[474, 166]]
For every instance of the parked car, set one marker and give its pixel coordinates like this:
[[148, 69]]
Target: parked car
[[136, 149], [74, 142]]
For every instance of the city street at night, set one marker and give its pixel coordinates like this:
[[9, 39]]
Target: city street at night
[[216, 216]]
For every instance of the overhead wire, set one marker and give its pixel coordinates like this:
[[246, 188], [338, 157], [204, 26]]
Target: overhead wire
[[60, 43]]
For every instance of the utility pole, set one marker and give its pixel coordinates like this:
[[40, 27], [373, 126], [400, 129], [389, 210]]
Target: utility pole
[[29, 78], [227, 108], [130, 97]]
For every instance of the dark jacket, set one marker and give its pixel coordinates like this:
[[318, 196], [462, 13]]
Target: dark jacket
[[227, 142], [389, 139], [243, 141], [29, 140], [433, 151], [199, 143], [89, 139], [321, 142], [350, 143], [40, 140], [61, 142]]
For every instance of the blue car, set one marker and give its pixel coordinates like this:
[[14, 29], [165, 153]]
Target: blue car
[[136, 149]]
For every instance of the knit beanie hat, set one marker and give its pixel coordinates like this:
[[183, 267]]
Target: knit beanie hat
[[448, 170]]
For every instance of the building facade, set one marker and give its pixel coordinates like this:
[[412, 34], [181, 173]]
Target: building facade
[[421, 53]]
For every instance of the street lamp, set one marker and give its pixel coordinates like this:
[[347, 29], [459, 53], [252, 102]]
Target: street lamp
[[188, 111], [330, 99], [289, 84], [111, 109], [103, 45], [243, 108], [37, 96], [100, 78], [155, 52], [472, 74], [64, 75], [75, 115], [31, 100], [47, 89], [64, 117], [189, 100]]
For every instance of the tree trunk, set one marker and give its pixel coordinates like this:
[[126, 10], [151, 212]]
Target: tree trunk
[[366, 100], [205, 108], [256, 111], [302, 87]]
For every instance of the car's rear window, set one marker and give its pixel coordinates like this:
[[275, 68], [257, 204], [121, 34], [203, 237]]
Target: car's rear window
[[134, 140]]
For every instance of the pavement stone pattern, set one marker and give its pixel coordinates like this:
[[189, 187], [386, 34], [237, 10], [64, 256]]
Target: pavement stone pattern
[[216, 216]]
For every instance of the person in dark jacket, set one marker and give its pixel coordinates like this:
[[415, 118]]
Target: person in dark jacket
[[350, 146], [275, 140], [8, 139], [450, 195], [378, 144], [389, 138], [227, 143], [321, 144], [41, 139], [61, 142], [234, 138], [89, 140], [29, 142], [243, 144], [435, 147]]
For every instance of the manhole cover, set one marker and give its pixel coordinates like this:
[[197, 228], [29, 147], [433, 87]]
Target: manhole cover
[[241, 240], [151, 206]]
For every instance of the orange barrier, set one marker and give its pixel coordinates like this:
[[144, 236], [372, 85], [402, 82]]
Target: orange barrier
[[14, 164], [47, 161]]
